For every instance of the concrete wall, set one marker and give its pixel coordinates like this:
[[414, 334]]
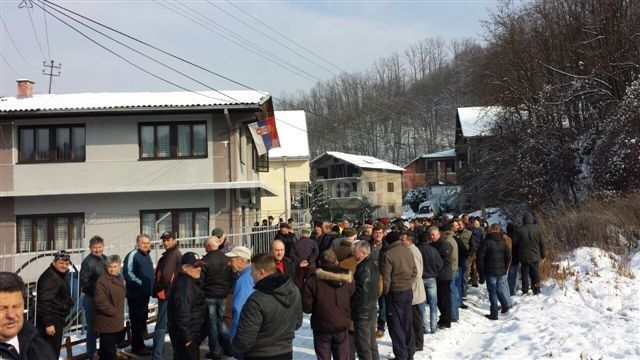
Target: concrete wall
[[381, 196]]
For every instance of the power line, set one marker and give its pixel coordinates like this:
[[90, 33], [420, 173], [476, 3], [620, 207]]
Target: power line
[[180, 59], [4, 24], [35, 33], [46, 32], [9, 65]]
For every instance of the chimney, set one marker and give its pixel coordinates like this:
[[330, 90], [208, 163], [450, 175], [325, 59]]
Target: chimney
[[25, 88]]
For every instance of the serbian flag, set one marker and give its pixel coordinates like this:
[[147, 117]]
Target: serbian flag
[[265, 135]]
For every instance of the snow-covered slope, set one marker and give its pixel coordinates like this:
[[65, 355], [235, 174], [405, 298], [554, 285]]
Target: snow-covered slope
[[595, 317]]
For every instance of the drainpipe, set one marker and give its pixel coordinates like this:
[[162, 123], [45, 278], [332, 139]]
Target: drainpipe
[[227, 117]]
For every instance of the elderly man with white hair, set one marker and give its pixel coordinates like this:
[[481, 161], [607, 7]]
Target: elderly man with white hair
[[218, 281]]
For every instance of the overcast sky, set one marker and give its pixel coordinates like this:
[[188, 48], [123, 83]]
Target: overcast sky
[[351, 35]]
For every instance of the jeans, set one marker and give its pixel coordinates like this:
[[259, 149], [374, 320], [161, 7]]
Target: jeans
[[160, 331], [431, 288], [454, 288], [513, 277], [218, 333], [365, 339], [87, 308], [497, 292], [382, 313]]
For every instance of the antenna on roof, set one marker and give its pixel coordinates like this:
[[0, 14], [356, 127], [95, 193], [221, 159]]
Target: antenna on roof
[[51, 73]]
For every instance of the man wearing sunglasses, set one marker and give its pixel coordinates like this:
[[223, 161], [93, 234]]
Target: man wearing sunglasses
[[54, 301]]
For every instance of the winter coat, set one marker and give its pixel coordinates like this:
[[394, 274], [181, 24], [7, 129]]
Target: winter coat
[[509, 243], [493, 256], [288, 267], [108, 310], [53, 299], [186, 310], [419, 293], [511, 232], [32, 345], [269, 319], [365, 299], [530, 241], [431, 260], [90, 270], [476, 239], [465, 238], [217, 275], [305, 249], [445, 250], [454, 252], [288, 239], [325, 241], [138, 274], [397, 268], [377, 251], [463, 251], [241, 292], [326, 296], [166, 272]]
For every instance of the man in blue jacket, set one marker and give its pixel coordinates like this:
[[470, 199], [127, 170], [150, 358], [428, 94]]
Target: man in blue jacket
[[240, 262], [138, 273]]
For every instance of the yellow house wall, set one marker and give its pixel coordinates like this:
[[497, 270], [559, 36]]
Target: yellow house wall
[[297, 171], [381, 196]]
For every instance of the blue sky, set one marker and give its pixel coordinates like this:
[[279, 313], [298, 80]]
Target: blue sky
[[351, 35]]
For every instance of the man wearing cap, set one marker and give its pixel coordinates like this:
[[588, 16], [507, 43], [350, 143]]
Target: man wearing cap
[[53, 300], [240, 263], [287, 237], [218, 280], [219, 233], [166, 271], [187, 309]]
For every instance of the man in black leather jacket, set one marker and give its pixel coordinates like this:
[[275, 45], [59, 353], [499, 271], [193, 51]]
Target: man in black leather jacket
[[363, 302]]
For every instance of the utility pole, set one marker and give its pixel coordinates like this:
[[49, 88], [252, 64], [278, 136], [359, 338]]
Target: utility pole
[[51, 73]]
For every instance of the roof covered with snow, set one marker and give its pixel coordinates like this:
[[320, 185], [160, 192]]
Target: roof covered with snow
[[292, 131], [440, 154], [130, 100], [362, 161], [477, 121]]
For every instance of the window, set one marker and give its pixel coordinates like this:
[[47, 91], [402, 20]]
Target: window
[[372, 186], [51, 143], [188, 223], [173, 140], [49, 232], [390, 187], [392, 209]]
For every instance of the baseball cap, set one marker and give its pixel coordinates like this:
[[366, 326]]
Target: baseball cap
[[168, 235], [239, 251], [191, 258], [217, 232]]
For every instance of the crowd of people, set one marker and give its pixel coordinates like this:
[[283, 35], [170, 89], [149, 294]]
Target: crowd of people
[[409, 278]]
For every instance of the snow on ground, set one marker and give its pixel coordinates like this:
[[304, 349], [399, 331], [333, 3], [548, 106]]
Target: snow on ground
[[600, 320], [493, 216]]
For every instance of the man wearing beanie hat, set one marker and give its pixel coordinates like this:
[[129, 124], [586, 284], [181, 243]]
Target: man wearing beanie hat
[[187, 309]]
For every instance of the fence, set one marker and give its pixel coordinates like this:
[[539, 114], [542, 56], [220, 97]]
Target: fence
[[257, 238]]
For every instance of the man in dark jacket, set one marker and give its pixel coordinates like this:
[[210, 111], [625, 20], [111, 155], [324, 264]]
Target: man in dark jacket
[[54, 301], [327, 237], [326, 297], [493, 260], [432, 264], [443, 280], [377, 236], [187, 309], [304, 255], [476, 239], [270, 316], [287, 236], [218, 281], [363, 302], [398, 271], [18, 338], [284, 265], [166, 271], [93, 266], [138, 274], [530, 251]]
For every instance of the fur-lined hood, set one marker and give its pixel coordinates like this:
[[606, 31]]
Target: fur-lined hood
[[336, 277]]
